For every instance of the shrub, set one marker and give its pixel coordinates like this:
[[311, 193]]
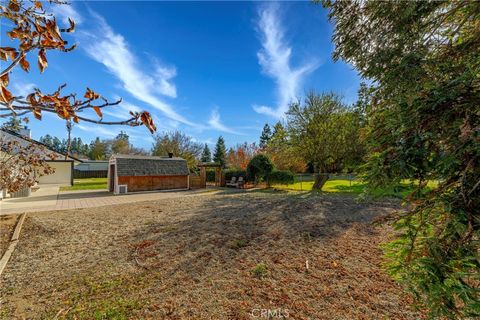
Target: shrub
[[235, 173], [260, 271], [210, 175], [238, 244], [281, 177], [259, 168]]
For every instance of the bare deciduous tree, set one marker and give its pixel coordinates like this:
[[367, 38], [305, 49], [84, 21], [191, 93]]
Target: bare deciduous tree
[[21, 165]]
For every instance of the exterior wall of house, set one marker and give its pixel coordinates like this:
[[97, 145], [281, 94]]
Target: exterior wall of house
[[149, 183], [62, 175]]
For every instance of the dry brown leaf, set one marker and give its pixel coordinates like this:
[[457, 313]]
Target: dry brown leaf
[[146, 119], [5, 95], [37, 113], [72, 26], [42, 60], [91, 95], [14, 6], [8, 52], [24, 63], [4, 80], [98, 111]]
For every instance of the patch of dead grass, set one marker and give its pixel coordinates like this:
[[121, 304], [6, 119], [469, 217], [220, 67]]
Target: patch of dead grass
[[194, 258]]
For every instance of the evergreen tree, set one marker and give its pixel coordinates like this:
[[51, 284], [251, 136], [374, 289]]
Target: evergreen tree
[[47, 140], [265, 136], [279, 133], [56, 144], [220, 154], [98, 150], [13, 124], [63, 146], [206, 154], [422, 60]]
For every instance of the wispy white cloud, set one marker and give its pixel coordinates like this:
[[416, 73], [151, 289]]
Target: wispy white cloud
[[163, 76], [209, 141], [111, 49], [20, 88], [65, 11], [216, 123], [121, 111], [275, 60], [100, 131]]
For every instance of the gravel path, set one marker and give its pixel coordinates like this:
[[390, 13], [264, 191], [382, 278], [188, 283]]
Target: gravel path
[[193, 258]]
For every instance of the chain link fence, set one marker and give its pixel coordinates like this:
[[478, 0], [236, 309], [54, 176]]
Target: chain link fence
[[304, 182]]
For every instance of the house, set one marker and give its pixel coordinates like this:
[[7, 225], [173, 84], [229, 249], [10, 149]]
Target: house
[[131, 173], [62, 164], [91, 169]]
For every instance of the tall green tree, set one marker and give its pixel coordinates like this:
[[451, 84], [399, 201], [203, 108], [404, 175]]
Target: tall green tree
[[206, 154], [423, 58], [265, 136], [323, 131], [282, 152], [47, 140], [220, 153], [178, 143], [120, 144], [98, 149], [57, 144]]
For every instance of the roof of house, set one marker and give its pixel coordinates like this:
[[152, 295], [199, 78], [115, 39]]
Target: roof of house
[[135, 165], [30, 140]]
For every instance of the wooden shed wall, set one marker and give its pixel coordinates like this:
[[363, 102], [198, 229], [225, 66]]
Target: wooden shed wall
[[148, 183]]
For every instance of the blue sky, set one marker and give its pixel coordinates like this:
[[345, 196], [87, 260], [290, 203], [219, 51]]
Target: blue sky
[[205, 68]]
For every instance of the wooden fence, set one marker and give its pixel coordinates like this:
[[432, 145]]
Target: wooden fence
[[77, 174], [196, 182]]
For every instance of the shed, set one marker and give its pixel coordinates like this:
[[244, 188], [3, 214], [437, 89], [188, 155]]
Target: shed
[[132, 173]]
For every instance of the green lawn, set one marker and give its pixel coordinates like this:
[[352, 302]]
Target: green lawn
[[354, 187], [332, 186], [87, 184]]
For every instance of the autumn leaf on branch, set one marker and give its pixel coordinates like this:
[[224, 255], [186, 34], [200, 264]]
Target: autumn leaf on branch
[[36, 31]]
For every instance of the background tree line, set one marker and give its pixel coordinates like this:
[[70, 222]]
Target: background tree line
[[97, 149]]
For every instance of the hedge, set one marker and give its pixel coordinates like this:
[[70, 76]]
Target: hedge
[[235, 173], [281, 177], [210, 175]]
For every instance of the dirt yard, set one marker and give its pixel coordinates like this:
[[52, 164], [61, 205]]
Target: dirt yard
[[218, 256], [7, 225]]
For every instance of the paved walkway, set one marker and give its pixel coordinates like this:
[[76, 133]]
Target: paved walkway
[[48, 198]]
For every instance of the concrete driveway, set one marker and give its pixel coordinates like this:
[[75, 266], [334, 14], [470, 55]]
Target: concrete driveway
[[44, 197], [49, 198]]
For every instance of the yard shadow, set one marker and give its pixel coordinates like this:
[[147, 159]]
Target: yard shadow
[[255, 226]]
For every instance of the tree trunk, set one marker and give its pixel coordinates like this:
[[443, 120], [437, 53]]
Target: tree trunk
[[320, 180], [69, 140]]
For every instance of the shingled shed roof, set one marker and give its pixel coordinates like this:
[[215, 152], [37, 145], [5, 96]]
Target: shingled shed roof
[[132, 165]]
